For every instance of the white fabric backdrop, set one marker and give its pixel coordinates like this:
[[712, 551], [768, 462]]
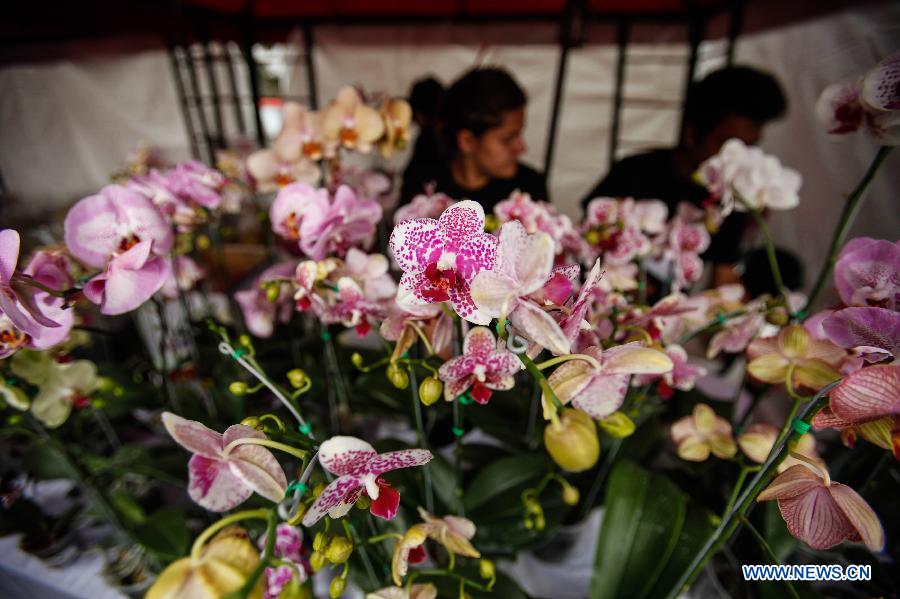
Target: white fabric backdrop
[[66, 125]]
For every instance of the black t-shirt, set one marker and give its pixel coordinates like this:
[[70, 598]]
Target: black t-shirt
[[652, 176], [526, 180]]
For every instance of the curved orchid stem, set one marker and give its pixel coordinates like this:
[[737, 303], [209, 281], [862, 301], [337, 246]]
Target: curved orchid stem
[[745, 470], [258, 514], [712, 323], [851, 207], [297, 453], [542, 381], [28, 280], [422, 336], [767, 237], [226, 349], [420, 433], [560, 359], [732, 520]]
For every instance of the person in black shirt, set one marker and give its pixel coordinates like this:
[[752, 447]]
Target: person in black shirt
[[733, 102], [482, 118]]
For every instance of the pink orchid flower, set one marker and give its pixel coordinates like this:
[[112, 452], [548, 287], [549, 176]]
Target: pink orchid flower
[[439, 258], [573, 322], [868, 402], [322, 226], [114, 220], [424, 205], [867, 273], [524, 264], [482, 367], [196, 184], [682, 376], [400, 324], [18, 300], [293, 152], [288, 547], [51, 269], [185, 273], [370, 271], [223, 473], [872, 332], [839, 108], [359, 468], [130, 279], [260, 314], [822, 513], [349, 123], [352, 308], [600, 391]]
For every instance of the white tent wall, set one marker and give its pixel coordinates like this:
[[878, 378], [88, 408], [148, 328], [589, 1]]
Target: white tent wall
[[66, 125]]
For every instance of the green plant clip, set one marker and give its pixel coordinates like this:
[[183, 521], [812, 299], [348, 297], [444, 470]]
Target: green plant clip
[[800, 426], [295, 486], [458, 431], [239, 353], [305, 429], [800, 315], [326, 336], [465, 400]]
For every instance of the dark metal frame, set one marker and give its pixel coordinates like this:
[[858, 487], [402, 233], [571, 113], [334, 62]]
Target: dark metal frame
[[572, 23]]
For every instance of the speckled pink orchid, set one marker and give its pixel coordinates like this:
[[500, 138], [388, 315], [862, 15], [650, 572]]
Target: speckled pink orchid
[[260, 314], [535, 217], [822, 513], [18, 299], [321, 226], [871, 332], [114, 220], [439, 258], [482, 367], [598, 385], [348, 122], [288, 545], [524, 264], [351, 308], [359, 468], [868, 403], [867, 273], [871, 102], [293, 152], [223, 473], [574, 321]]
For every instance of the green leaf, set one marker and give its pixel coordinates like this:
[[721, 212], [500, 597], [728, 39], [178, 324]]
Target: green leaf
[[501, 476], [165, 533], [44, 462], [130, 510], [648, 536]]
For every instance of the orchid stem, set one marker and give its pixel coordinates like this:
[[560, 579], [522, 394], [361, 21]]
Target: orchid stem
[[767, 551], [384, 537], [297, 453], [258, 514], [770, 245], [538, 376], [745, 470], [420, 434], [422, 336], [712, 323], [851, 207], [560, 359], [731, 520]]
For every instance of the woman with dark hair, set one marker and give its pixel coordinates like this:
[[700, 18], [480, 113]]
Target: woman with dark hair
[[481, 121]]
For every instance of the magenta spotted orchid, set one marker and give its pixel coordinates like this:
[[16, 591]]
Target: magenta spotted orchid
[[359, 468], [440, 258], [425, 205], [352, 308], [597, 385], [323, 226], [224, 471], [523, 266], [481, 369]]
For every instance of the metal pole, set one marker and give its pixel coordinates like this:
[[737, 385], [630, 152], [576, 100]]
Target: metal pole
[[565, 41], [247, 48], [235, 92], [183, 100], [308, 44], [219, 137], [696, 30], [198, 99], [622, 31], [735, 22]]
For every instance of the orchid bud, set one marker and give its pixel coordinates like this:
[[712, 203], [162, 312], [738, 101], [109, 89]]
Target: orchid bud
[[430, 390], [399, 377], [202, 242], [298, 517], [98, 404], [486, 569], [317, 490], [238, 388], [297, 378], [317, 560], [339, 550], [104, 383], [363, 502], [357, 360], [617, 425], [570, 495], [572, 441], [777, 316], [320, 541], [272, 292], [336, 588], [251, 421]]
